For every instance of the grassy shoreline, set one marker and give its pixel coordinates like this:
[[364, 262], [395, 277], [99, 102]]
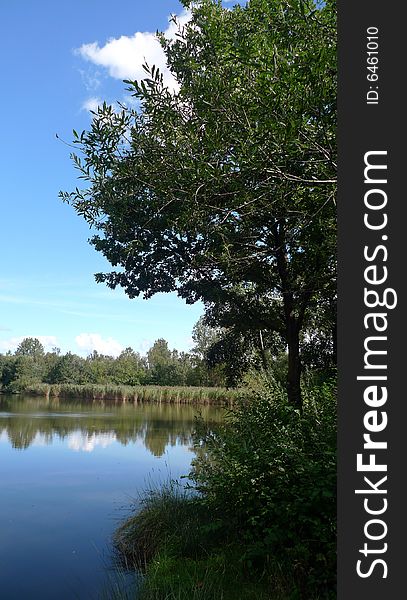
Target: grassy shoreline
[[135, 394], [172, 542], [182, 553], [262, 518]]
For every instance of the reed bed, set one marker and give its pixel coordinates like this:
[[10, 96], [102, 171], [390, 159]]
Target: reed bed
[[136, 394]]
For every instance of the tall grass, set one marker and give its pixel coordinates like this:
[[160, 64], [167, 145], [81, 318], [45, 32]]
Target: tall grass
[[185, 556], [136, 394], [164, 512]]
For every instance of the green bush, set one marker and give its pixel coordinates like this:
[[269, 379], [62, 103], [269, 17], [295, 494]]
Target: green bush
[[270, 476], [185, 555], [262, 518]]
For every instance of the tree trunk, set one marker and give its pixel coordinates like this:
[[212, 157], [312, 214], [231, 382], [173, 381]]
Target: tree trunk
[[294, 364], [263, 352], [334, 334], [293, 324]]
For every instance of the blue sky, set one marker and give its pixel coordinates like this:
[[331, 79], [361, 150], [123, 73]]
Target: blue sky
[[59, 59]]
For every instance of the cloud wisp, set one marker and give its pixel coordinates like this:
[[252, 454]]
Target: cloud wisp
[[92, 103], [88, 342], [123, 57], [85, 442]]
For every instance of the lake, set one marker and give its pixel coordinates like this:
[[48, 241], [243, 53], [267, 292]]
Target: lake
[[69, 472]]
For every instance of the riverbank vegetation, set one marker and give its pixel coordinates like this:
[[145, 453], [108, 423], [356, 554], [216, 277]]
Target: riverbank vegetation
[[222, 188], [135, 394], [261, 516]]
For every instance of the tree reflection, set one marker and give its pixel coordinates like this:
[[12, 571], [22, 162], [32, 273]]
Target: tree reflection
[[84, 426]]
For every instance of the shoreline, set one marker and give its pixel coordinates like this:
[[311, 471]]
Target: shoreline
[[132, 394]]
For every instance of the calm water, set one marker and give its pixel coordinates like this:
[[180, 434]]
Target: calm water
[[68, 474]]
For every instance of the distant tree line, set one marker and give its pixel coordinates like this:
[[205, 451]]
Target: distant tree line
[[30, 364], [220, 356]]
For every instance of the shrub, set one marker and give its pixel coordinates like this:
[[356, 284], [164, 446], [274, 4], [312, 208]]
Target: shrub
[[270, 476], [185, 555]]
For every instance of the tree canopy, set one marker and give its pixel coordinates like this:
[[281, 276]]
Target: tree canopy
[[30, 347], [224, 190]]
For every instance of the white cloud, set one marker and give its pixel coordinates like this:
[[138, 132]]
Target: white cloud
[[41, 440], [48, 341], [91, 79], [84, 442], [189, 342], [94, 341], [123, 57], [144, 346], [92, 104]]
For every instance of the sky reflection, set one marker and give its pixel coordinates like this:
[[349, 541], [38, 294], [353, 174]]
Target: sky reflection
[[69, 474]]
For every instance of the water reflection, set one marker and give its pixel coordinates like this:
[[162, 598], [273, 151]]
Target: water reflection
[[67, 472], [84, 426]]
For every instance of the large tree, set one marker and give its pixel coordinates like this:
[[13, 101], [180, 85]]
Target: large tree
[[223, 190], [30, 347]]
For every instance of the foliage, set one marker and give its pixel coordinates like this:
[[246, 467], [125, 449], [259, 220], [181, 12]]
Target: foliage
[[30, 367], [214, 576], [261, 515], [161, 365], [204, 337], [7, 370], [30, 347], [240, 350], [66, 369], [135, 394], [163, 512], [224, 189], [270, 475], [24, 371], [171, 538], [129, 368]]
